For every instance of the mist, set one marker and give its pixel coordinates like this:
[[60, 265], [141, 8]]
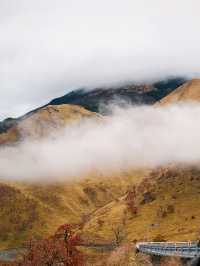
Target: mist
[[48, 48], [132, 137]]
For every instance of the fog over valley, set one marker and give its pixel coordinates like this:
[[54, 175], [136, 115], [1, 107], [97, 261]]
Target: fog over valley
[[132, 137]]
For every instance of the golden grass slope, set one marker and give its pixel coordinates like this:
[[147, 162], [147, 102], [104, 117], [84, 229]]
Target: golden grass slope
[[44, 121], [167, 204], [37, 209], [50, 118], [190, 91]]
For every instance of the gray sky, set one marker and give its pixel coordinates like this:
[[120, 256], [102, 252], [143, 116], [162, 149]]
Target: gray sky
[[50, 47]]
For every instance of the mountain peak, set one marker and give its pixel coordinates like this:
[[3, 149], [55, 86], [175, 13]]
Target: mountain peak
[[45, 120]]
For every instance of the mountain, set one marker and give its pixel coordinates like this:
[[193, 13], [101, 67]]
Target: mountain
[[150, 204], [133, 94], [167, 199], [189, 91], [94, 99]]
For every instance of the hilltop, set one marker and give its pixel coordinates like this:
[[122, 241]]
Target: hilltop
[[44, 121]]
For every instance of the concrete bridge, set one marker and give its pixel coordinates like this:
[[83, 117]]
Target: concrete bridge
[[179, 249]]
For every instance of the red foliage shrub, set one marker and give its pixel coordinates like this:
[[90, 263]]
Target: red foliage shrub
[[57, 250], [130, 201], [132, 208]]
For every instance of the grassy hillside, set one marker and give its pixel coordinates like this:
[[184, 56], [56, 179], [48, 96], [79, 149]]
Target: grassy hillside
[[37, 210], [164, 205], [45, 121]]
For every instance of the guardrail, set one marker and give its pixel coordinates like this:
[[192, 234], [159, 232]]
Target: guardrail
[[179, 249]]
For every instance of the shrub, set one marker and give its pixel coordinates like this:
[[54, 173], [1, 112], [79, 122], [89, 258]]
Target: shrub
[[59, 249]]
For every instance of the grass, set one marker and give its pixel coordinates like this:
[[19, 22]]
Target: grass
[[180, 189], [38, 209]]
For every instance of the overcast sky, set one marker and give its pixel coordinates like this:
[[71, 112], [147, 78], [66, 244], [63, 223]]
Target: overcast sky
[[48, 47]]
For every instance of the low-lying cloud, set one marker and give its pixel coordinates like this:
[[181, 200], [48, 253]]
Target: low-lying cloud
[[49, 47], [145, 136]]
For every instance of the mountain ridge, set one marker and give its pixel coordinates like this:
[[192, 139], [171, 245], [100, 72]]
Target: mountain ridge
[[93, 99], [133, 94]]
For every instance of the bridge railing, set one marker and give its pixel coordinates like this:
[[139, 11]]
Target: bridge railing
[[181, 249]]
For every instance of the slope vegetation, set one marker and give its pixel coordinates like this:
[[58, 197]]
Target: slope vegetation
[[38, 209]]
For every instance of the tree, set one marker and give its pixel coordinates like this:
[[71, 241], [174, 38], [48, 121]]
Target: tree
[[57, 250], [118, 234]]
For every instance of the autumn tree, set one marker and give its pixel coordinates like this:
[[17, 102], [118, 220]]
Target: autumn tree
[[57, 250], [119, 234]]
